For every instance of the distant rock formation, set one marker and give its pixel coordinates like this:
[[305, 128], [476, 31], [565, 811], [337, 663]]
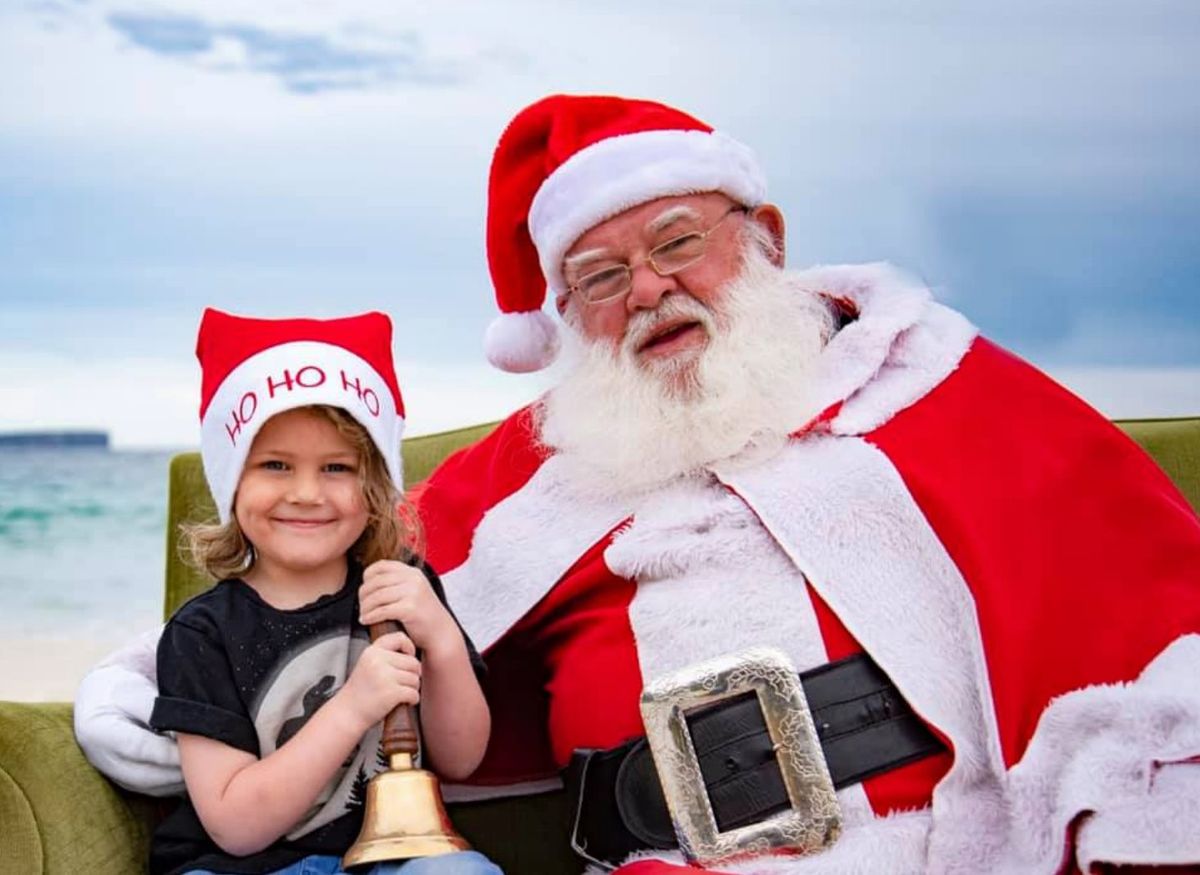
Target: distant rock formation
[[93, 440]]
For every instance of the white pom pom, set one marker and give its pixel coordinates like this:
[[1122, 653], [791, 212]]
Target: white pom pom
[[521, 342]]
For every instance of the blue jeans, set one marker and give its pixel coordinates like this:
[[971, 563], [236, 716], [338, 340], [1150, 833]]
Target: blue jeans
[[461, 863]]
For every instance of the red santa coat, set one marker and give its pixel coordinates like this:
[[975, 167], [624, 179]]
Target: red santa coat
[[1026, 576]]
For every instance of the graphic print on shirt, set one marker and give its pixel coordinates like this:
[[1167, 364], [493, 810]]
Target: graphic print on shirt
[[306, 677]]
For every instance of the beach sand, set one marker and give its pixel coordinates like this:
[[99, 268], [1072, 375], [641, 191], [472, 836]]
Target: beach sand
[[47, 669]]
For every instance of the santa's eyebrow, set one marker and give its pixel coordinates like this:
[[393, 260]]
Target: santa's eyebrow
[[670, 216], [573, 263]]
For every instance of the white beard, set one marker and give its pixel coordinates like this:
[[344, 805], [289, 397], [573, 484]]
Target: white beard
[[624, 428]]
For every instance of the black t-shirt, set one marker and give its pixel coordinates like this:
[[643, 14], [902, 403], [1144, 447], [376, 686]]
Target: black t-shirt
[[233, 668]]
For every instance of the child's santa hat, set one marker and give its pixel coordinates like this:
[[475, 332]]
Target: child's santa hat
[[255, 368], [567, 163]]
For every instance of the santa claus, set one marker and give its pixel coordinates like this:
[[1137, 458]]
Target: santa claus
[[990, 595]]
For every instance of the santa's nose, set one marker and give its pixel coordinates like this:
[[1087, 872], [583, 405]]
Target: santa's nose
[[648, 288]]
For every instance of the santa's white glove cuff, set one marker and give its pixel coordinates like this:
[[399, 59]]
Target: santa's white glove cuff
[[1159, 829], [112, 721]]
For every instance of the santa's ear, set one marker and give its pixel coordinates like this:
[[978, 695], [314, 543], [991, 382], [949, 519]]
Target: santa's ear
[[771, 218]]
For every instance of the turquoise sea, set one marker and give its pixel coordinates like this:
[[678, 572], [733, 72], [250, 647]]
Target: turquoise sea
[[82, 541]]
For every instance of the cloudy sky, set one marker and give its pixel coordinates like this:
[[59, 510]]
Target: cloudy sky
[[1034, 161]]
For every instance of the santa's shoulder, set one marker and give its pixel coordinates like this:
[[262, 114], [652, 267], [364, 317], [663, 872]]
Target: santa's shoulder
[[474, 479], [993, 395], [1000, 437]]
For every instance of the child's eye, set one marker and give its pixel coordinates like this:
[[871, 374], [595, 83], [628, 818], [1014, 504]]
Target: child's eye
[[273, 465], [339, 468]]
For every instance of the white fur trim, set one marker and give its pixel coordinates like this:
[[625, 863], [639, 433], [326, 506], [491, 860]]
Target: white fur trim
[[112, 721], [609, 177], [697, 541], [901, 346], [521, 548], [282, 378], [1125, 754], [521, 342], [1162, 827], [922, 356]]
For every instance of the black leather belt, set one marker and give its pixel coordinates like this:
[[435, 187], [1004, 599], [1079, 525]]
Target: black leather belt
[[864, 725]]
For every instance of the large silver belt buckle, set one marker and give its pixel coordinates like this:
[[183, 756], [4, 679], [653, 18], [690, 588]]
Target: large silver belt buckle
[[814, 820]]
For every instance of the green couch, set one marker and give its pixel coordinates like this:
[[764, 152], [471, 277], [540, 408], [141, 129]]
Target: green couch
[[59, 816]]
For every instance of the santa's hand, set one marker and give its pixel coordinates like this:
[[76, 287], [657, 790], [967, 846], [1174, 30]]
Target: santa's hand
[[112, 721]]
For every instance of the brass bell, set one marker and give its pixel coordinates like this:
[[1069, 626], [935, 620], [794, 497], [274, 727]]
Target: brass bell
[[404, 816]]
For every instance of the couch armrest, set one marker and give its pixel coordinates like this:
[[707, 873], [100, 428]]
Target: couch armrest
[[59, 814]]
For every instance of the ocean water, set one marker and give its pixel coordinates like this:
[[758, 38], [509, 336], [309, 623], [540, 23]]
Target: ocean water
[[82, 541]]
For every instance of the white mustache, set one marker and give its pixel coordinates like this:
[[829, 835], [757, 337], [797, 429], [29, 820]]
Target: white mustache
[[676, 306]]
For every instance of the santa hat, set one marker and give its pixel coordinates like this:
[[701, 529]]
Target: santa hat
[[255, 368], [567, 163]]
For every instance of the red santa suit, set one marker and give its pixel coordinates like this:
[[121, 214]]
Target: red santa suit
[[1025, 575]]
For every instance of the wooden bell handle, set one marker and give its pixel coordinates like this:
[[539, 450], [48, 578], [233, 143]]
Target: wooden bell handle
[[401, 733]]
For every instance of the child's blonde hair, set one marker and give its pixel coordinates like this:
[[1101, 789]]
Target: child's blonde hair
[[393, 529]]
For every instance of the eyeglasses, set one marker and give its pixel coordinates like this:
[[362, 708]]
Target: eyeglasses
[[609, 283]]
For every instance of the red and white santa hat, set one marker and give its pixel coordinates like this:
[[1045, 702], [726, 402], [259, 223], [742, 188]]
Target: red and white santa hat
[[567, 163], [253, 369]]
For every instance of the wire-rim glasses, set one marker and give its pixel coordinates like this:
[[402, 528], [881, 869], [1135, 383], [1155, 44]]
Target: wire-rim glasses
[[608, 283]]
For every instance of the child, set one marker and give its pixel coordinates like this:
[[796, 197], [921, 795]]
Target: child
[[268, 678]]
